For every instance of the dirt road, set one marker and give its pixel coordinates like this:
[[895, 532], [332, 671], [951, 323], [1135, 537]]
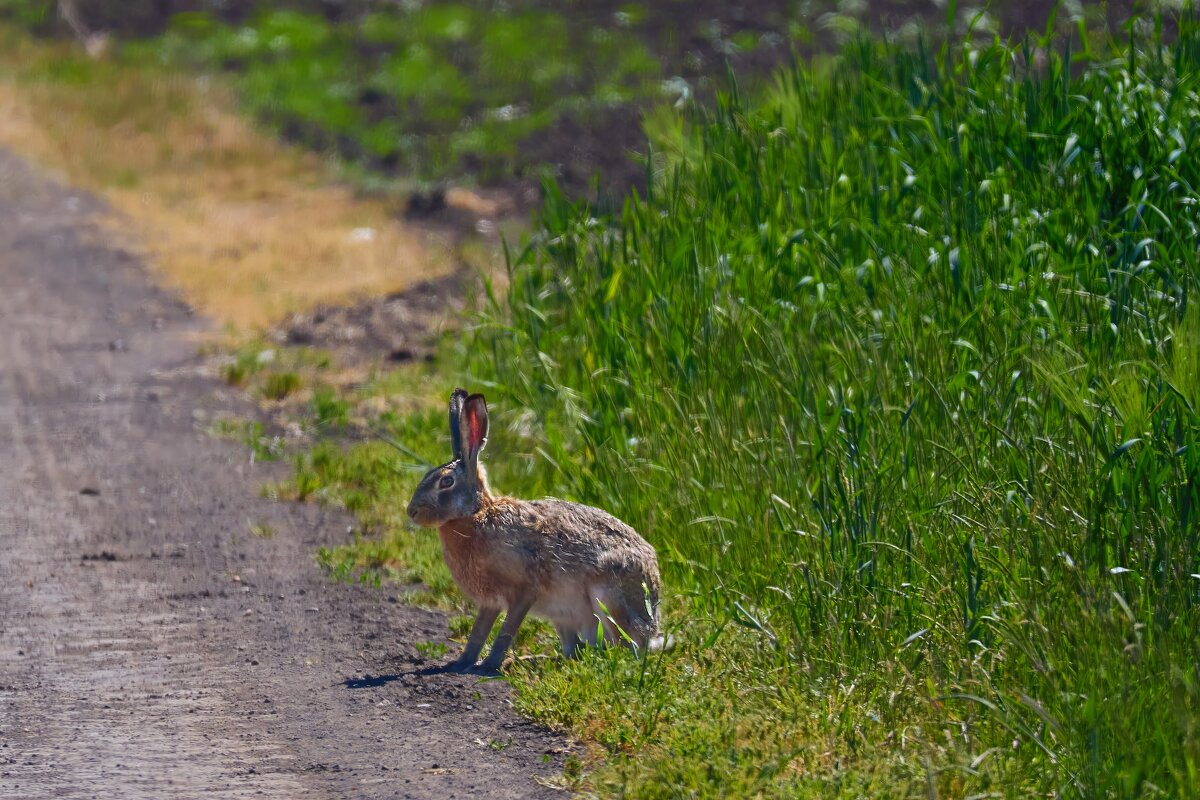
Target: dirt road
[[150, 644]]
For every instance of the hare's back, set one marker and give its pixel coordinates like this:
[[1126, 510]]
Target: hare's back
[[583, 540], [575, 521], [572, 537], [560, 538]]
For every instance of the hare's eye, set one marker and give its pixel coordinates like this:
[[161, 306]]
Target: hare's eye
[[446, 482]]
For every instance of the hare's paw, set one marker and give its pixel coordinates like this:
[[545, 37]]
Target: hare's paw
[[490, 667], [461, 665]]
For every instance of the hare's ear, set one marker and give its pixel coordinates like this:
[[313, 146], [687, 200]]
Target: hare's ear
[[474, 428], [456, 424]]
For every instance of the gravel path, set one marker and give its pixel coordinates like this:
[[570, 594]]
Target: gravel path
[[150, 644]]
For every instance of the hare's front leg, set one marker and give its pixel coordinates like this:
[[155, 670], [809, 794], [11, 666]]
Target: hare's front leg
[[508, 632], [479, 633]]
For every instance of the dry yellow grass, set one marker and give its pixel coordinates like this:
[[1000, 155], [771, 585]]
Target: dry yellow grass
[[247, 228]]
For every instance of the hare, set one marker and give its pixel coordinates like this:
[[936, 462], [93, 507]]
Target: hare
[[569, 563]]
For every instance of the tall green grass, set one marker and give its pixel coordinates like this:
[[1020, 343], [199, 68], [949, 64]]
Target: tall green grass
[[899, 369], [900, 372]]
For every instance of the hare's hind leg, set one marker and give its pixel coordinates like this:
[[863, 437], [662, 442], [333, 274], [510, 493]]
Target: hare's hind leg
[[588, 636], [479, 633], [620, 625], [629, 629], [570, 640]]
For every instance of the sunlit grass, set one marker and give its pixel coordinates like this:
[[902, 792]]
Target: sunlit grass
[[891, 373], [248, 229], [896, 368]]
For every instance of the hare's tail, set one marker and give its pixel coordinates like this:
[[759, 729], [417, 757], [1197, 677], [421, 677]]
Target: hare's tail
[[660, 643]]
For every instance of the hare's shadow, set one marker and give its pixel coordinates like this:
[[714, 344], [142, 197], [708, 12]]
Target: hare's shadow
[[369, 681], [448, 668], [375, 681]]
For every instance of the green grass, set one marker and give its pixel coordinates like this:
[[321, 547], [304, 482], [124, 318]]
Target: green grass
[[279, 385], [899, 369]]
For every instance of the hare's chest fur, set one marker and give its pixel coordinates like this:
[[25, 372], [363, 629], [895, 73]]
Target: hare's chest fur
[[466, 557], [488, 569]]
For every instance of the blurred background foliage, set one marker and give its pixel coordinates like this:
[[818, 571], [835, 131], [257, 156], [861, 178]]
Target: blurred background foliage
[[499, 93]]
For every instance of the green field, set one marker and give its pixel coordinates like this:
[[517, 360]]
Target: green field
[[898, 366]]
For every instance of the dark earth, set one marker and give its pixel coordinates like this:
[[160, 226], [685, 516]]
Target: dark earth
[[400, 327], [151, 645]]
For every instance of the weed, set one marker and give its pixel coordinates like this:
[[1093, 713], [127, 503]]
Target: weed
[[330, 410], [460, 625], [245, 363], [431, 651], [279, 385]]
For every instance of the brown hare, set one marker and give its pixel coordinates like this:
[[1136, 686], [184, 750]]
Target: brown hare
[[569, 563]]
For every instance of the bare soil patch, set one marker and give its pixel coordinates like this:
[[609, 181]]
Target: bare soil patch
[[151, 645]]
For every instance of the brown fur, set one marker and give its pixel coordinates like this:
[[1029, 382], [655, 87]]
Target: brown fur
[[572, 564]]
